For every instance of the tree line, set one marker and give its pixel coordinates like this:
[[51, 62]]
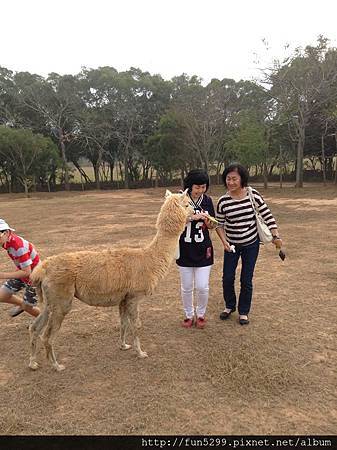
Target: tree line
[[142, 127]]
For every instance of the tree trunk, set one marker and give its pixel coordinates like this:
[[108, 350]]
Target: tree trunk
[[281, 167], [218, 169], [96, 172], [33, 184], [52, 177], [265, 175], [9, 182], [206, 162], [64, 160], [329, 167], [299, 158], [104, 172], [121, 172], [336, 160], [126, 157], [25, 185], [82, 172], [182, 176], [97, 167], [126, 169], [112, 165], [323, 160]]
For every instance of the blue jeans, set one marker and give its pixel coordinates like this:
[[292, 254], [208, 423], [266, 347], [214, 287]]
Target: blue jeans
[[249, 254]]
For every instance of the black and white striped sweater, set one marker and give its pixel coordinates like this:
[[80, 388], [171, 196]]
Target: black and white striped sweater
[[238, 218]]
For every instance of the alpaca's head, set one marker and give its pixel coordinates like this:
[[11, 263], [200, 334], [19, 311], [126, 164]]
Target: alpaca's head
[[173, 213]]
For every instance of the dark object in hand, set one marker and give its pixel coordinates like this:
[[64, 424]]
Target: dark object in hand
[[282, 255]]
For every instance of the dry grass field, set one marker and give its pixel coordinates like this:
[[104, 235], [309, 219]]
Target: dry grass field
[[275, 376]]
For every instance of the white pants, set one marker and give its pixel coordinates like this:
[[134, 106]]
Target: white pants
[[194, 278]]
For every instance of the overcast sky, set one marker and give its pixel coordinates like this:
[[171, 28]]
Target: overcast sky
[[209, 38]]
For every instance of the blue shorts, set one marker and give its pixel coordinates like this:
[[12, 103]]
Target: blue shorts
[[15, 285]]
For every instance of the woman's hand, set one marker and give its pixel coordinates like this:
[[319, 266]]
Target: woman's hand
[[209, 224], [198, 216], [277, 241], [226, 246]]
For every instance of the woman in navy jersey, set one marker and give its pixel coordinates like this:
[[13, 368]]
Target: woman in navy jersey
[[196, 250], [238, 234]]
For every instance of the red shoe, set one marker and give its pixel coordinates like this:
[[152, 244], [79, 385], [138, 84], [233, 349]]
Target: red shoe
[[200, 323], [187, 323]]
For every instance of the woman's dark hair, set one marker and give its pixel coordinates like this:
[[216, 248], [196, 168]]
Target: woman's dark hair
[[196, 176], [242, 171]]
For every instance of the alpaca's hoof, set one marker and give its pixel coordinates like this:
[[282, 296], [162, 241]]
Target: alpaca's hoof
[[143, 355], [125, 346], [59, 367], [33, 365]]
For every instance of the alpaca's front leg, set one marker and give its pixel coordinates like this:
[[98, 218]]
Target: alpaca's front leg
[[124, 326], [136, 344], [132, 312]]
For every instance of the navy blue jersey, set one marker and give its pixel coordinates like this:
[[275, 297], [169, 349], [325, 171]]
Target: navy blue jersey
[[195, 245]]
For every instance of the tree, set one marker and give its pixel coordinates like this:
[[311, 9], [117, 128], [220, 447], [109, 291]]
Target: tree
[[299, 86], [53, 104], [251, 143], [165, 148], [201, 115], [28, 155]]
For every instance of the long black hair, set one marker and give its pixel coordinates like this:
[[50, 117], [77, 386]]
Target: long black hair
[[196, 176]]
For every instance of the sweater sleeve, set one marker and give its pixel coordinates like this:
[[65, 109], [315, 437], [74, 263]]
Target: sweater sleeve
[[220, 211], [264, 211]]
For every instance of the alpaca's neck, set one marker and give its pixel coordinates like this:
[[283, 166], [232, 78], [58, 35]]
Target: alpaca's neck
[[163, 243], [161, 252]]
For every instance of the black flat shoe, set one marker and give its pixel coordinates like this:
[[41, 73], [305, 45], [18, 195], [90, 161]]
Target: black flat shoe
[[225, 315], [243, 321], [13, 312]]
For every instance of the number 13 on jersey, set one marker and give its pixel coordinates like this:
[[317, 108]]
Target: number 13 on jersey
[[198, 237]]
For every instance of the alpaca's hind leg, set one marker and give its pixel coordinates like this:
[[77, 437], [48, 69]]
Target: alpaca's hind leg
[[56, 316], [34, 331], [124, 326], [133, 316], [54, 323]]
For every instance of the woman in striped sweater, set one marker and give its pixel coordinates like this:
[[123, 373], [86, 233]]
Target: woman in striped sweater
[[238, 234]]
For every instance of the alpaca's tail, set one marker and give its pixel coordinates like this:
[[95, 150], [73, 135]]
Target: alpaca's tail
[[36, 277]]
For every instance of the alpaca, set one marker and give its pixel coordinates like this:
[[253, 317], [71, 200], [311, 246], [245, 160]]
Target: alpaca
[[106, 278]]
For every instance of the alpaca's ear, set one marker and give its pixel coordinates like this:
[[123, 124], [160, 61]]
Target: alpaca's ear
[[168, 193], [183, 198]]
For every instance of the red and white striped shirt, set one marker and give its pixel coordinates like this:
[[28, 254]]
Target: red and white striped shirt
[[22, 253]]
